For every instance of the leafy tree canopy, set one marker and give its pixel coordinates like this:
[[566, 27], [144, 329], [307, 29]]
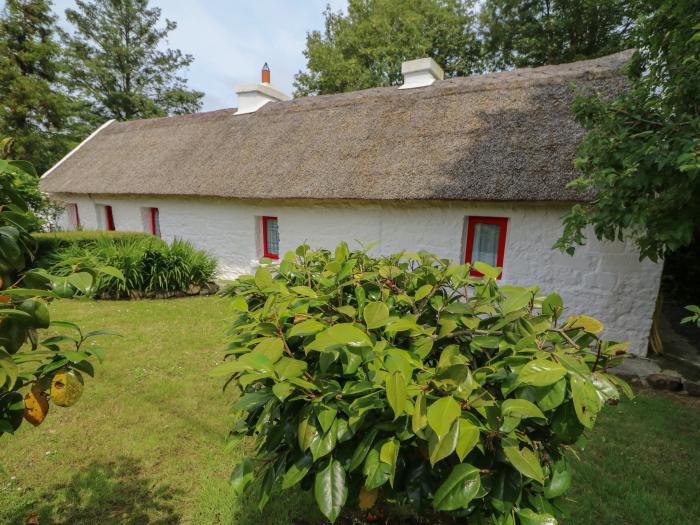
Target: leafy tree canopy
[[365, 47], [642, 153], [118, 62], [35, 110], [539, 32]]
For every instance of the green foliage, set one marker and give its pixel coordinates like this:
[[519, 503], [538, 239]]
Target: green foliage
[[526, 34], [50, 243], [145, 263], [404, 374], [119, 64], [694, 316], [641, 157], [35, 111], [26, 360], [365, 47]]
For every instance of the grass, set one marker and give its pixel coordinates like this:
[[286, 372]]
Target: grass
[[147, 442]]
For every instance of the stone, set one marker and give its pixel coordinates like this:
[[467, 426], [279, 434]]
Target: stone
[[194, 289], [692, 387], [636, 367], [213, 287], [662, 381]]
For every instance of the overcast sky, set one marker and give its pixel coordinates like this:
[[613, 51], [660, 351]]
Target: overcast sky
[[230, 40]]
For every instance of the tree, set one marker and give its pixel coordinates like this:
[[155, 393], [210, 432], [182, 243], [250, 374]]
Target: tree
[[34, 110], [365, 48], [118, 62], [539, 32], [641, 157], [34, 371]]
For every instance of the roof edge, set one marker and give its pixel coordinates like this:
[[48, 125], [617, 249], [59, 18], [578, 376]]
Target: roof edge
[[71, 152]]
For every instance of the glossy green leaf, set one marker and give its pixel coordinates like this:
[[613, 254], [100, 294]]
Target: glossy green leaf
[[530, 517], [525, 460], [441, 447], [376, 315], [263, 279], [330, 490], [420, 413], [442, 413], [541, 372], [348, 334], [242, 476], [585, 398], [459, 489], [308, 327], [467, 439], [520, 408], [297, 471], [396, 393], [560, 480]]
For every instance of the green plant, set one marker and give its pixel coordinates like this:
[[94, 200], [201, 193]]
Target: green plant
[[35, 370], [694, 316], [404, 377], [146, 264]]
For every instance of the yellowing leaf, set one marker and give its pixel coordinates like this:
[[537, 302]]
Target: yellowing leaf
[[585, 323], [368, 498]]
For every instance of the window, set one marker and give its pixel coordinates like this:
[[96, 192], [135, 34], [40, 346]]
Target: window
[[271, 238], [73, 216], [105, 218], [486, 241], [154, 221]]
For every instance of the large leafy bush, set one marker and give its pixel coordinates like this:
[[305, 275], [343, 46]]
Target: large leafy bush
[[406, 379], [148, 264]]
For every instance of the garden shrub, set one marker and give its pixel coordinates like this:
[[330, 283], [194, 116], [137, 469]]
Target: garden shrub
[[147, 264], [49, 243], [404, 380]]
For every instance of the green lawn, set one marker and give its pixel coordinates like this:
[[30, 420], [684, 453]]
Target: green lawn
[[147, 442]]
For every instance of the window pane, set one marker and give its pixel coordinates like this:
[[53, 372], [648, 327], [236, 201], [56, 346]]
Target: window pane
[[485, 247], [272, 236]]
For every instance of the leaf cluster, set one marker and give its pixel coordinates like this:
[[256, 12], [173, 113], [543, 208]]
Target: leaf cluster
[[408, 379], [27, 359], [641, 156]]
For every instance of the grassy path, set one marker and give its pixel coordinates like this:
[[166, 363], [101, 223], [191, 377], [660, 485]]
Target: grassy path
[[146, 443]]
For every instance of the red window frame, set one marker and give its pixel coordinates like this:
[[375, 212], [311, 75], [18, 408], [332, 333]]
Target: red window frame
[[155, 221], [267, 254], [110, 218], [472, 222], [75, 214]]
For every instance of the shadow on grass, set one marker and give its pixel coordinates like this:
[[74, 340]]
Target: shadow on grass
[[106, 493]]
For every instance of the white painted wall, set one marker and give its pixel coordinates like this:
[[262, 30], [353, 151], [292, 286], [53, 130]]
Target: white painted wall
[[604, 280]]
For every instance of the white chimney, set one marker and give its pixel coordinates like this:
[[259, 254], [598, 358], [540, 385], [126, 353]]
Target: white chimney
[[420, 73], [252, 97]]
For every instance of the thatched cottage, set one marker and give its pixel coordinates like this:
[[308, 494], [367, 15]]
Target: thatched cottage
[[471, 168]]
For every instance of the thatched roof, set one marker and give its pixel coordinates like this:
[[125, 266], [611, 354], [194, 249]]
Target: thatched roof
[[501, 136]]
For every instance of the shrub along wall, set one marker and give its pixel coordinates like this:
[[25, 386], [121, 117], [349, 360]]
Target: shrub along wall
[[151, 268], [409, 381]]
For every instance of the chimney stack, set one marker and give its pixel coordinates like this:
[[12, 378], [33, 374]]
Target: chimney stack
[[252, 97], [420, 73]]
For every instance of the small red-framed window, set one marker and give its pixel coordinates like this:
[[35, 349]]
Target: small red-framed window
[[271, 237], [73, 215], [486, 241], [154, 221], [109, 218]]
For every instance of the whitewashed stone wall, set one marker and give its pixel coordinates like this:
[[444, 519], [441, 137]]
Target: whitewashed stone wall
[[604, 280]]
